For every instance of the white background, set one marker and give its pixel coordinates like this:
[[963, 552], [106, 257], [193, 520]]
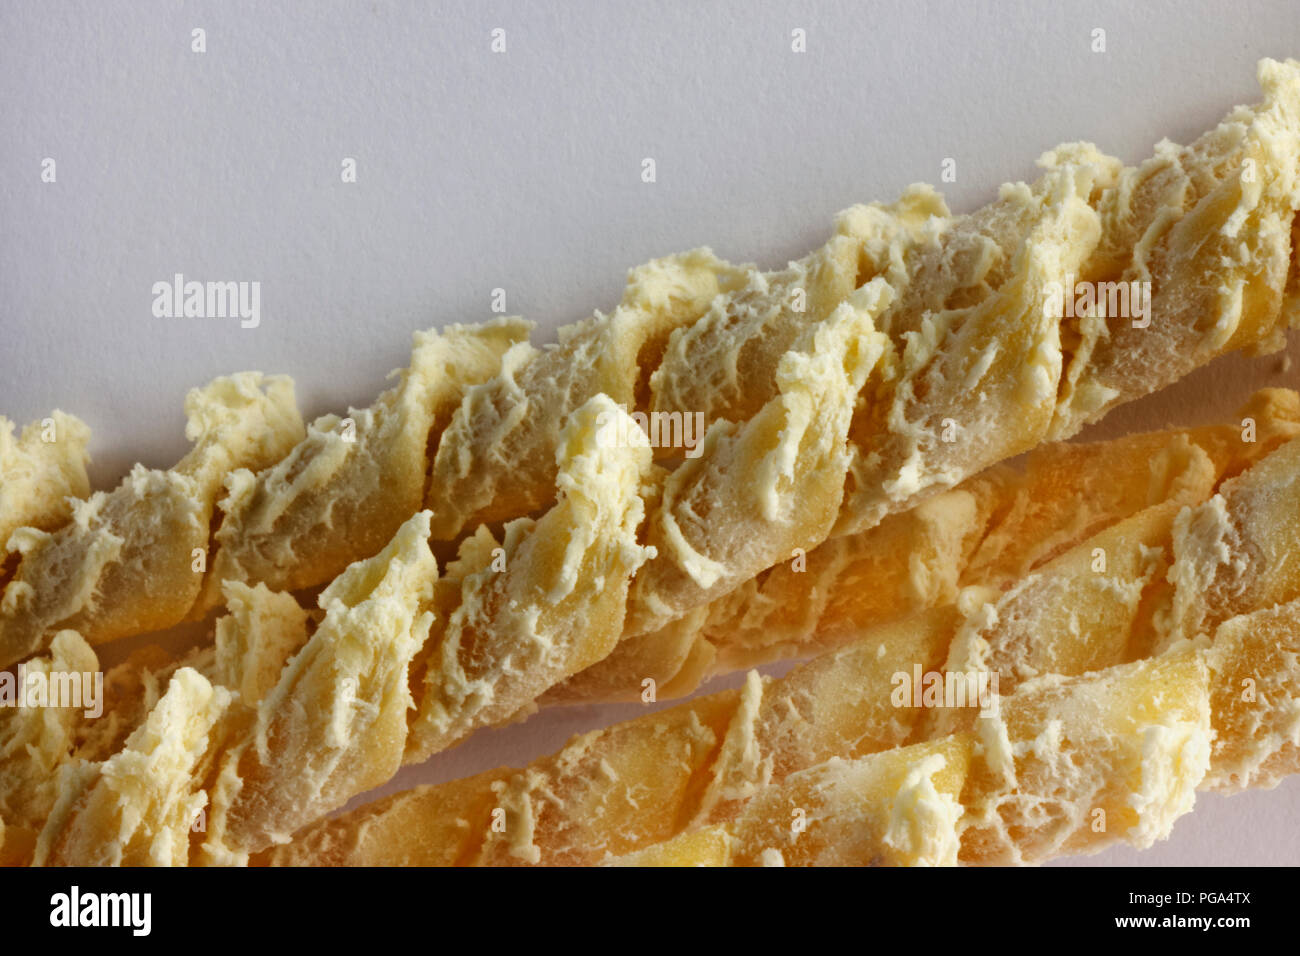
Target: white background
[[522, 171]]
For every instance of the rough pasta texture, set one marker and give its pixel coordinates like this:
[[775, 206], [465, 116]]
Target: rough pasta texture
[[511, 620], [343, 491], [1068, 766], [39, 471], [124, 561], [849, 398], [314, 718], [34, 744], [296, 510], [547, 604], [264, 628], [137, 807], [769, 485], [978, 363], [1256, 657], [619, 790], [897, 808], [496, 459], [969, 360], [976, 335], [990, 530], [1208, 226]]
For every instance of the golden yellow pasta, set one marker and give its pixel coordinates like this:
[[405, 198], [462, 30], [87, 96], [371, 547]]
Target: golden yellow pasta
[[307, 720], [985, 350], [124, 563], [39, 471], [990, 530], [619, 790], [343, 491], [496, 458], [731, 468], [296, 509], [1069, 766]]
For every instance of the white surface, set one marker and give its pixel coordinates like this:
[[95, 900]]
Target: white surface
[[522, 170]]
